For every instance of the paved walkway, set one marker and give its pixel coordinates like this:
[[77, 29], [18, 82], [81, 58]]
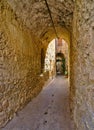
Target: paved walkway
[[48, 111]]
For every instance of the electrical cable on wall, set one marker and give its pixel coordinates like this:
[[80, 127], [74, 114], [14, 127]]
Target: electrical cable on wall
[[51, 18]]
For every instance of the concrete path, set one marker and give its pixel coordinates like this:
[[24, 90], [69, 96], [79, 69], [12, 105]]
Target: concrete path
[[48, 111]]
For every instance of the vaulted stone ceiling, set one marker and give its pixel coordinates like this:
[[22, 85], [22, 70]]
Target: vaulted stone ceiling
[[35, 16]]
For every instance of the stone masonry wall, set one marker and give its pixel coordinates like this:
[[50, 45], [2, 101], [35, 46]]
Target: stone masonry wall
[[82, 65], [20, 66]]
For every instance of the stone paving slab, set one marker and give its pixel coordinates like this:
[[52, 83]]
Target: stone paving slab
[[48, 111]]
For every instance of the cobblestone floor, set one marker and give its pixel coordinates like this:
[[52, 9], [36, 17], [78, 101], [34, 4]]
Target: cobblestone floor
[[48, 111]]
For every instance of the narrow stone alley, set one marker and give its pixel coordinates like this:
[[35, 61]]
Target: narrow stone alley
[[48, 111]]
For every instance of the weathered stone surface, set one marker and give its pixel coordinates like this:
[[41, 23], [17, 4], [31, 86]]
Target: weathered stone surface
[[46, 110], [35, 15], [82, 65], [20, 65], [26, 29]]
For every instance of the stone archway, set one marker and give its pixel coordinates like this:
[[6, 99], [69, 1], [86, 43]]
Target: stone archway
[[25, 28], [21, 54], [60, 64]]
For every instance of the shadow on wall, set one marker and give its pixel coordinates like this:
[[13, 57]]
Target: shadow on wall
[[42, 60]]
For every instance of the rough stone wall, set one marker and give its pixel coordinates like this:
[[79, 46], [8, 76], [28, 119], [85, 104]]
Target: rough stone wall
[[82, 65], [20, 66], [35, 15]]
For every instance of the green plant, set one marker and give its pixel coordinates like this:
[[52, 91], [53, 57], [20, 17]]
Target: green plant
[[63, 65]]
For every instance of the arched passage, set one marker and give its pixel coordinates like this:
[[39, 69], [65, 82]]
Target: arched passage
[[60, 63], [26, 28], [24, 41]]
